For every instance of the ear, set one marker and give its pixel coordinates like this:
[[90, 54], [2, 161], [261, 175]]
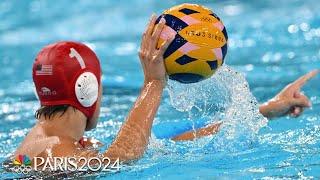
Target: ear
[[87, 89]]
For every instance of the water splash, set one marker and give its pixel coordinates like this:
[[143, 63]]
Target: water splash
[[224, 97]]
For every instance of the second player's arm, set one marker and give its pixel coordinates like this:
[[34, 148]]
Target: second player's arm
[[289, 101]]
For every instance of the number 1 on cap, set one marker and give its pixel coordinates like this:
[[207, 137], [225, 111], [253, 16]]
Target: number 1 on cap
[[74, 53]]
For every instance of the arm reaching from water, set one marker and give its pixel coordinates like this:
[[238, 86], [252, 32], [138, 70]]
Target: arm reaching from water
[[134, 134], [289, 101]]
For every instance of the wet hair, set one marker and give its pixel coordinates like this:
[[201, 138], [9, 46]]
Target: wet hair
[[49, 111]]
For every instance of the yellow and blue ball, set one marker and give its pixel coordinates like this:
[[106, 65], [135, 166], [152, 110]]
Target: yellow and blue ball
[[199, 46]]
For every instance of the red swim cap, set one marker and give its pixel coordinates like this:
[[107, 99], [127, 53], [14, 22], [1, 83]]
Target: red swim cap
[[67, 73]]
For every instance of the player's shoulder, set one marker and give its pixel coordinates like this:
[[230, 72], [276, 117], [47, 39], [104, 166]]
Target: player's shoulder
[[65, 147], [68, 147]]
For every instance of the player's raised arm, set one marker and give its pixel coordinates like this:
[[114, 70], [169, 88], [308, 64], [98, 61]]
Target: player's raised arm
[[134, 134]]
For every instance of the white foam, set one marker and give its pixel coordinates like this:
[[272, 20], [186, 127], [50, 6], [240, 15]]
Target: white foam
[[225, 96]]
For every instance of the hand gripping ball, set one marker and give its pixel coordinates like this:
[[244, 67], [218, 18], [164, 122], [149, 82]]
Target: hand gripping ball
[[199, 46]]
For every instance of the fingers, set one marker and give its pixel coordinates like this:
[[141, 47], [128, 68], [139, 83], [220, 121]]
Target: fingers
[[305, 99], [162, 49], [150, 30], [165, 45], [303, 79], [150, 40], [147, 33], [157, 31], [151, 25], [297, 94], [298, 103], [301, 101], [296, 111]]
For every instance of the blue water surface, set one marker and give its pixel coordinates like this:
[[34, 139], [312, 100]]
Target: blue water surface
[[271, 43]]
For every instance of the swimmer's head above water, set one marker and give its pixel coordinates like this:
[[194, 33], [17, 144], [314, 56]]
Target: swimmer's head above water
[[68, 75]]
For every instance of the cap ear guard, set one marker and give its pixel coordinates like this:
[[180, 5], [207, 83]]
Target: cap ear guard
[[87, 89]]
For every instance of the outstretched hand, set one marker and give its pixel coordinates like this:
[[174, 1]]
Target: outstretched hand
[[290, 100], [151, 57]]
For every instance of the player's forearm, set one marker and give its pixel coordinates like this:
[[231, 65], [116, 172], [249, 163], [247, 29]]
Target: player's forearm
[[266, 110], [270, 110], [134, 135], [206, 131]]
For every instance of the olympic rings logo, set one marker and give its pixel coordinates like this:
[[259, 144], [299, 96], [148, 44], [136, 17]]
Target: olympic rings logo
[[21, 169]]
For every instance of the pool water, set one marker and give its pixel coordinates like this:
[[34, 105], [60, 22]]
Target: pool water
[[271, 43]]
